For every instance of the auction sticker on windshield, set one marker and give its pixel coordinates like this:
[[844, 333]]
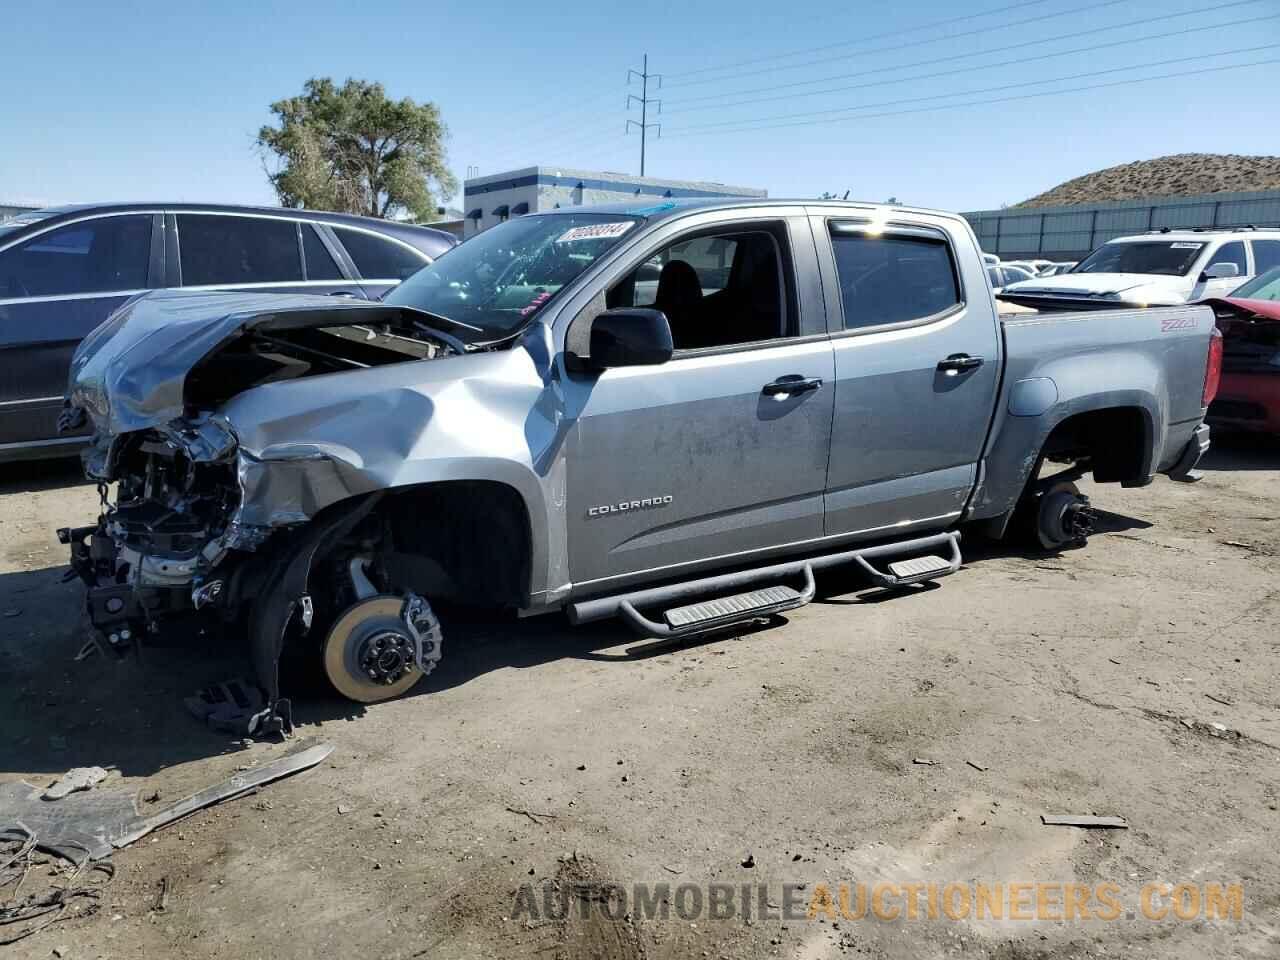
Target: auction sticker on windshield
[[596, 231]]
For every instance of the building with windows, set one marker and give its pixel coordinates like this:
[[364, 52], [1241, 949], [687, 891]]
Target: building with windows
[[497, 197]]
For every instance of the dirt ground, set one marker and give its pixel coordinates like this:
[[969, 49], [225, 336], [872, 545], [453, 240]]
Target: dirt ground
[[1084, 683]]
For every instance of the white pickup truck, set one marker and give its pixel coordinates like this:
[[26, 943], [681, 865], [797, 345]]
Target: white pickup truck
[[1162, 268]]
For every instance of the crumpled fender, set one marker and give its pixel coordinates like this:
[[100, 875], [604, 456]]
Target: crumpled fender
[[307, 444]]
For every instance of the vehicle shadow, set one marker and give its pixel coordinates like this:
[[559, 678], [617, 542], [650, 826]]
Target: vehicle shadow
[[58, 712], [1241, 451], [34, 475]]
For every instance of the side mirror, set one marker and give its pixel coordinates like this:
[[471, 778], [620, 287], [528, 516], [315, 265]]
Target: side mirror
[[629, 337], [1220, 271]]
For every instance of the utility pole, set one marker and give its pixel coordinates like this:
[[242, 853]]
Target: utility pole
[[644, 100]]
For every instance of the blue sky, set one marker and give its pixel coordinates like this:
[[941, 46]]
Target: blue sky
[[157, 100]]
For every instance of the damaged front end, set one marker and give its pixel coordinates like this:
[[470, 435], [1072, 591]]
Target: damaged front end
[[200, 527], [158, 548]]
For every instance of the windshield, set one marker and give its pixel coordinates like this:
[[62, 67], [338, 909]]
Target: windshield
[[494, 283], [1265, 286], [1169, 258]]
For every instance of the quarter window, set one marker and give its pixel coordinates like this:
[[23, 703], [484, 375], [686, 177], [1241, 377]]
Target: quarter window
[[320, 265], [378, 258], [1232, 252], [893, 279], [1266, 254], [235, 250], [93, 256]]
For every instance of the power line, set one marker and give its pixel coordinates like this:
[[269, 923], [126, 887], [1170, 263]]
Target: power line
[[982, 53], [1003, 86], [986, 66], [1074, 11], [874, 36], [690, 132]]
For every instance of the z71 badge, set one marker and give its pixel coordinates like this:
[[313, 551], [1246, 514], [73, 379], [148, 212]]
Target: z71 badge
[[1177, 323], [626, 506]]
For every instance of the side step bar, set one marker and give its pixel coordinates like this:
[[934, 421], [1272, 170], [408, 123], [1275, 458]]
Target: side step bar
[[712, 614], [687, 620]]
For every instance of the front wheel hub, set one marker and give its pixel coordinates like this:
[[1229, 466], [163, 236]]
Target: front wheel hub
[[381, 646], [386, 656]]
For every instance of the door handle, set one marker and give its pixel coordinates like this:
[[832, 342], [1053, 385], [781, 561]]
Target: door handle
[[791, 385], [958, 362]]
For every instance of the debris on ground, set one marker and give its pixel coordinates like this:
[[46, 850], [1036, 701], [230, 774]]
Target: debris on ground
[[977, 766], [233, 706], [77, 895], [750, 861], [925, 761], [88, 825], [1070, 820], [74, 780]]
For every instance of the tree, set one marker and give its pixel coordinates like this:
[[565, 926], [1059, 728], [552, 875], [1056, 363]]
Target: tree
[[352, 149]]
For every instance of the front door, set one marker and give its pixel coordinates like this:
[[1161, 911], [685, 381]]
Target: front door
[[1232, 252], [917, 370], [719, 455]]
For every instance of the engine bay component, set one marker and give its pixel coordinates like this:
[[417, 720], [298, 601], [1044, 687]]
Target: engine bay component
[[379, 647]]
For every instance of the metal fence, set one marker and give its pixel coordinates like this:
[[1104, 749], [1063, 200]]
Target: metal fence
[[1071, 232]]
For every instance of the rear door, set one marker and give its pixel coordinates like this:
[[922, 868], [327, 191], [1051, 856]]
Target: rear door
[[917, 368], [380, 261], [55, 287], [219, 251]]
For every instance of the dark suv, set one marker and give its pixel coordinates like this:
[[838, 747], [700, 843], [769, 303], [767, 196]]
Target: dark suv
[[63, 270]]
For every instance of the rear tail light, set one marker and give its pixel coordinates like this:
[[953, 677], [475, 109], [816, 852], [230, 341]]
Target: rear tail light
[[1213, 369]]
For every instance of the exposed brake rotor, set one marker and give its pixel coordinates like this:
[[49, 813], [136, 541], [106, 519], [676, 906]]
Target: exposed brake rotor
[[381, 646]]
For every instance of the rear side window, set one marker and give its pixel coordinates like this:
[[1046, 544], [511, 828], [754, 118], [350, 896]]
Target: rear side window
[[320, 265], [93, 256], [1266, 255], [378, 258], [1232, 252], [235, 250], [893, 279]]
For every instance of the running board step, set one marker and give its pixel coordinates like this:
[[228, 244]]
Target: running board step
[[722, 611], [693, 593], [916, 570], [728, 609]]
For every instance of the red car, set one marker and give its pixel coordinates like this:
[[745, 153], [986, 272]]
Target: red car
[[1249, 395]]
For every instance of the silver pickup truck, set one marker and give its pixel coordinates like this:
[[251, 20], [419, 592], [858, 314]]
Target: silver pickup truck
[[675, 414]]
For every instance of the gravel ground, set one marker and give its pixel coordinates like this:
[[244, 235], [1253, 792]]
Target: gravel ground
[[1083, 683]]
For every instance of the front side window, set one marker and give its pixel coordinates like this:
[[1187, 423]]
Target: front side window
[[1266, 255], [378, 258], [94, 256], [1168, 258], [1232, 252], [495, 283], [716, 290], [235, 250], [894, 279]]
